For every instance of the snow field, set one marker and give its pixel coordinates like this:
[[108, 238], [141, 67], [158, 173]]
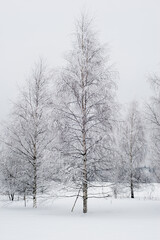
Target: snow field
[[107, 219]]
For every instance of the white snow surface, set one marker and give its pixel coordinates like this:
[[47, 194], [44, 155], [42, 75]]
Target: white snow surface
[[107, 219]]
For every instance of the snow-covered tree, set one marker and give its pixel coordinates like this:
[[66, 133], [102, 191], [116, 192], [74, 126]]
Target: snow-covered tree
[[9, 170], [87, 110], [132, 147], [28, 135], [153, 116]]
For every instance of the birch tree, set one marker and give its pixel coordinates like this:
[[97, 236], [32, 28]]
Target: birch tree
[[87, 110], [28, 133], [133, 147], [153, 117]]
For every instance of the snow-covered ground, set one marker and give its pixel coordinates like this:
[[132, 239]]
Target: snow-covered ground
[[107, 219]]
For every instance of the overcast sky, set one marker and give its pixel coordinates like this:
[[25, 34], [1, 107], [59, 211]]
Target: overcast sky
[[33, 28]]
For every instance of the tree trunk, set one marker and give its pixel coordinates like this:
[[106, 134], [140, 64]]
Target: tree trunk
[[35, 197], [85, 187], [12, 196], [85, 197], [132, 190], [35, 184], [24, 198], [84, 183], [34, 201]]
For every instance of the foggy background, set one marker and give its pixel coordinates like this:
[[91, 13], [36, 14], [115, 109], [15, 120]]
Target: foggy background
[[43, 28]]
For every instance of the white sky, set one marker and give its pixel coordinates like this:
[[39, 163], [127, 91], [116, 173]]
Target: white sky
[[33, 28]]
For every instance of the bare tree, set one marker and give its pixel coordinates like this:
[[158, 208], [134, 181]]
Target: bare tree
[[28, 134], [133, 147], [87, 110], [153, 117], [9, 171]]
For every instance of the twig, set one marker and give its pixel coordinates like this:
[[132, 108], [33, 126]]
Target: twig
[[76, 200]]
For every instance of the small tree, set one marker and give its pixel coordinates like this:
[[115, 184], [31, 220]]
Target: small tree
[[10, 167], [28, 134], [153, 116], [133, 146]]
